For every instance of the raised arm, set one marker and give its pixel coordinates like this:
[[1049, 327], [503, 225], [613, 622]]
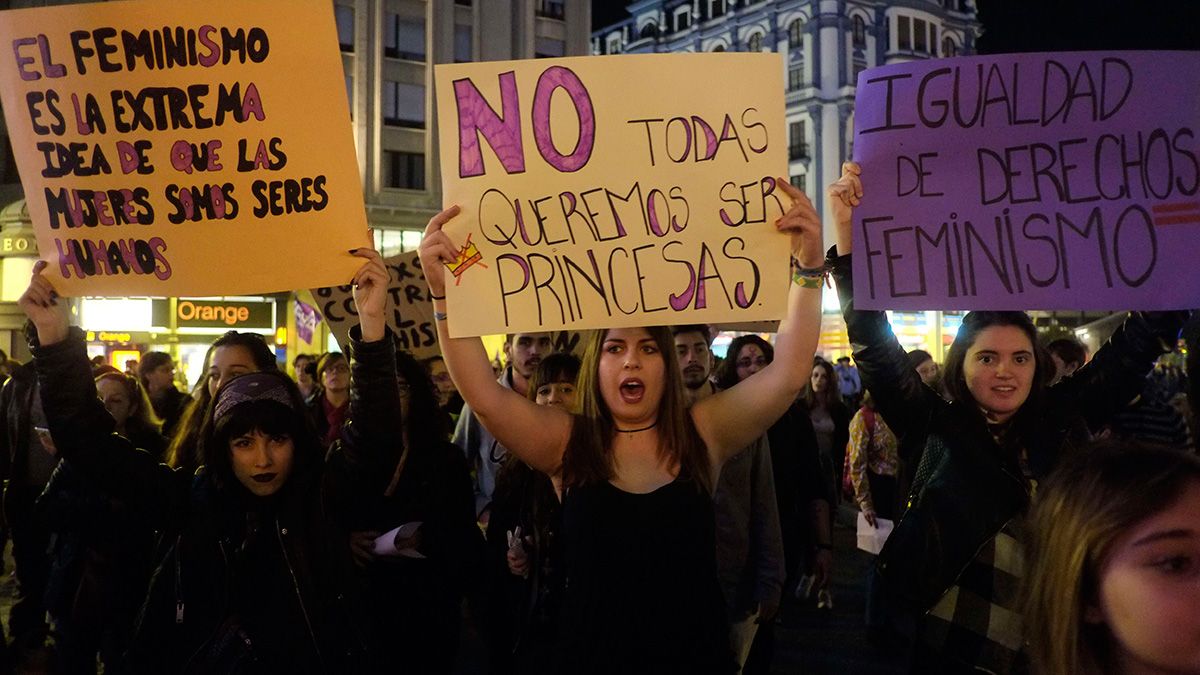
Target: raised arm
[[82, 430], [535, 434], [1117, 374], [732, 419], [373, 437], [905, 403]]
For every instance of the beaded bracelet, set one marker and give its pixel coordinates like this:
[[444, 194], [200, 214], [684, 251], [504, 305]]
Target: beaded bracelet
[[808, 277]]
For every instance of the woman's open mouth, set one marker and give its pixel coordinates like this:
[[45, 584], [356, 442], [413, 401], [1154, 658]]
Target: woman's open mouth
[[632, 390], [264, 477]]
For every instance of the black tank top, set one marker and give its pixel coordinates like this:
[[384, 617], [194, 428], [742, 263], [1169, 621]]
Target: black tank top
[[642, 594]]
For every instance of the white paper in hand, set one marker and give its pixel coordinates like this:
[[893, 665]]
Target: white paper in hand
[[396, 543], [870, 539]]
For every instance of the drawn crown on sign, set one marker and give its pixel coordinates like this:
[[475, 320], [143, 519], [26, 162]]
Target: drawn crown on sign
[[468, 255]]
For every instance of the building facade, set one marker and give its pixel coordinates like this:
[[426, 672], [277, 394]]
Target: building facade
[[389, 48], [825, 43]]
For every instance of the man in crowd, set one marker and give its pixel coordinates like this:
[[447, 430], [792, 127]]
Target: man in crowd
[[157, 372], [27, 458], [849, 383], [749, 541], [1068, 355], [524, 351]]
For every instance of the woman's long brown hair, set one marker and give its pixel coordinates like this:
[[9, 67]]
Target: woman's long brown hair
[[589, 457]]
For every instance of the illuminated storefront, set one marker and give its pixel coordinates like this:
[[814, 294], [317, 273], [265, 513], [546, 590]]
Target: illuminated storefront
[[120, 329]]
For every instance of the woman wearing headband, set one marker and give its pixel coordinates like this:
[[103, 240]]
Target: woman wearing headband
[[251, 573]]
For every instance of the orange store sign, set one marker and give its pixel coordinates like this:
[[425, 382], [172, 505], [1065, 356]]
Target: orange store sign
[[198, 313], [230, 315]]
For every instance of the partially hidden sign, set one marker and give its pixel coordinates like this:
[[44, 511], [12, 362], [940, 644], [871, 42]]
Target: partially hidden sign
[[409, 310], [184, 148], [613, 191], [1034, 181]]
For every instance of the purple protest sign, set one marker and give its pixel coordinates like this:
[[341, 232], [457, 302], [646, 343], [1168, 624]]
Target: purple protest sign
[[306, 321], [1031, 181]]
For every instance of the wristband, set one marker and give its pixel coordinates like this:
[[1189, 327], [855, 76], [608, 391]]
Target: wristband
[[809, 277], [436, 297]]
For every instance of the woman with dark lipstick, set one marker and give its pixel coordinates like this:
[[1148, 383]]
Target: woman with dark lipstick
[[954, 559], [638, 468], [251, 574]]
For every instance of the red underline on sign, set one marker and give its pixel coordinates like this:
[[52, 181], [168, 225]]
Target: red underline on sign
[[1178, 220], [1185, 212], [1172, 208]]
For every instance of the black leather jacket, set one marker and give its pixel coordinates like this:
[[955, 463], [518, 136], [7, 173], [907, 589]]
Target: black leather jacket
[[187, 606], [968, 487]]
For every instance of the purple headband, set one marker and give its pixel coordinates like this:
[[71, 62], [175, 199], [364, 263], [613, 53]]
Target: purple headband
[[252, 387]]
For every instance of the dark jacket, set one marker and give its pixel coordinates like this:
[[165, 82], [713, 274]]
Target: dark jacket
[[170, 408], [968, 487], [16, 399], [186, 623], [100, 551], [415, 603]]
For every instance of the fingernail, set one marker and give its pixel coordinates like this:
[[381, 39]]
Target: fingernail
[[353, 250]]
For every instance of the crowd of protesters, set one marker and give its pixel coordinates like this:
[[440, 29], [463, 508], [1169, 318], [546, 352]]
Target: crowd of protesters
[[642, 507]]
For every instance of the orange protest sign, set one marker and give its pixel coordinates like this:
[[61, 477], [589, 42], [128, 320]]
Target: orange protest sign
[[184, 148]]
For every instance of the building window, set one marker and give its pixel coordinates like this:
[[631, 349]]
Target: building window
[[796, 77], [716, 8], [860, 32], [718, 48], [404, 170], [549, 48], [650, 30], [903, 33], [797, 145], [551, 9], [857, 67], [614, 44], [403, 39], [462, 43], [403, 104], [933, 39], [919, 43], [799, 181], [10, 174], [683, 18], [795, 34], [948, 47], [345, 26], [754, 44]]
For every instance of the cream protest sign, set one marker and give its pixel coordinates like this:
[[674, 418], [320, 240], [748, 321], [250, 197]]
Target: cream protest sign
[[409, 311], [184, 148], [614, 191]]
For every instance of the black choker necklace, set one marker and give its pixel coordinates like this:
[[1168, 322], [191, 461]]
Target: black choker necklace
[[634, 431]]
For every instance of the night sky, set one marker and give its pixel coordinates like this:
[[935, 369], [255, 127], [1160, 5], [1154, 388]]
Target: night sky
[[1059, 25]]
